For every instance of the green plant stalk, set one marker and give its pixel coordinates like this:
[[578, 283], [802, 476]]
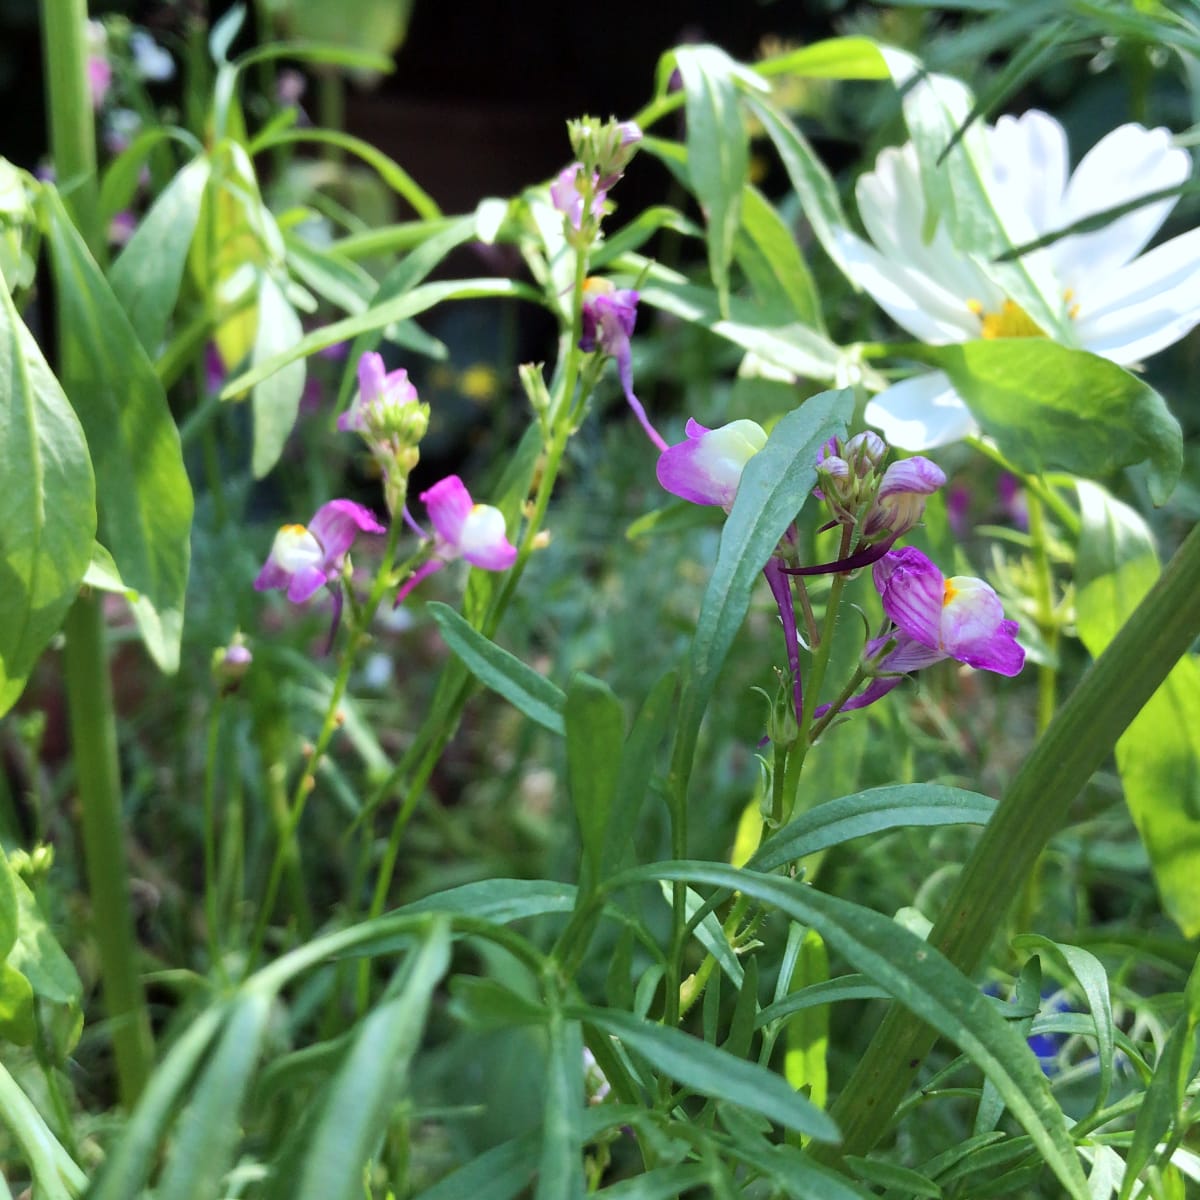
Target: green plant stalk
[[1044, 599], [1082, 735], [55, 1173], [211, 906], [287, 848], [89, 688]]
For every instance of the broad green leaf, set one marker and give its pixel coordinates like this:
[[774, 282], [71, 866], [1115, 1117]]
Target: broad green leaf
[[145, 496], [47, 503], [661, 1183], [207, 1129], [766, 250], [1049, 406], [595, 729], [773, 489], [873, 811], [1093, 979], [527, 691], [830, 58], [718, 151], [923, 981], [497, 1174], [712, 1072], [807, 1031], [372, 1080], [378, 317], [102, 574], [891, 1175], [276, 398], [1158, 756], [16, 1006], [560, 1167], [122, 177], [797, 348], [810, 180], [146, 276]]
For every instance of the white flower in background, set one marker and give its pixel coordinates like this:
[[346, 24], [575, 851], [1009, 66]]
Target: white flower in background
[[1123, 305]]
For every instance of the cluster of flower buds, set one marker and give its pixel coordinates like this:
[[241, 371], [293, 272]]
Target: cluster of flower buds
[[883, 503], [602, 151], [387, 414]]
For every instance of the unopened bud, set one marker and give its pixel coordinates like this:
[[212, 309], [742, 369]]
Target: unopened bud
[[230, 664]]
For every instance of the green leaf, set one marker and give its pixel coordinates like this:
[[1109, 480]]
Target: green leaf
[[16, 1006], [810, 180], [276, 398], [145, 496], [718, 151], [1093, 979], [1158, 756], [891, 1175], [102, 574], [47, 503], [37, 953], [830, 58], [560, 1169], [844, 987], [595, 728], [378, 317], [773, 488], [497, 1174], [372, 1080], [146, 276], [766, 250], [8, 907], [1049, 406], [794, 347], [499, 901], [527, 691], [122, 177], [923, 981], [481, 1003], [207, 1128], [712, 1072], [807, 1033], [873, 811]]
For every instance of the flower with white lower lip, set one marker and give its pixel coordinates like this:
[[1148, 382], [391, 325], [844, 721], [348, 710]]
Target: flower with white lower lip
[[1123, 304]]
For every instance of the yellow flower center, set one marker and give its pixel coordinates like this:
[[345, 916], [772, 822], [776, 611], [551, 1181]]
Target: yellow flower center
[[949, 593], [294, 530], [1012, 321]]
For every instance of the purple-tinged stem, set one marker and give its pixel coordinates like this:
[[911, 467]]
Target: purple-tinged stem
[[781, 589]]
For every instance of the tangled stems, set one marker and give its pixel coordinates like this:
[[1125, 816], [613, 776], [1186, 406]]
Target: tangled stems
[[286, 847]]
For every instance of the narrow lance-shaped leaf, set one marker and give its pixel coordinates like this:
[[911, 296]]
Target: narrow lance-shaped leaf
[[595, 727], [145, 498], [147, 275], [718, 151], [47, 503], [275, 399]]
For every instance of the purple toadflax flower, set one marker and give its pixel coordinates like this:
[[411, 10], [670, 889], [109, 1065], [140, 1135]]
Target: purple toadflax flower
[[934, 618], [609, 315], [304, 559], [462, 529], [380, 392], [567, 197], [900, 501], [707, 467]]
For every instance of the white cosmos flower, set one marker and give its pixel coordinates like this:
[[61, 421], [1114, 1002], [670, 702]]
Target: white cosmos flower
[[1122, 304]]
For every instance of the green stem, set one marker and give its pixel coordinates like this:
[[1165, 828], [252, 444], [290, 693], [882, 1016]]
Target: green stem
[[211, 912], [89, 688], [287, 849], [94, 745], [56, 1176], [1034, 485], [1082, 735]]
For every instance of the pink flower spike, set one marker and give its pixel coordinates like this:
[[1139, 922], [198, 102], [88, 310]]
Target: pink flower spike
[[707, 468], [378, 390]]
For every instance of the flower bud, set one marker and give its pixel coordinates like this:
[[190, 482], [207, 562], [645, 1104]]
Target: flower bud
[[230, 664]]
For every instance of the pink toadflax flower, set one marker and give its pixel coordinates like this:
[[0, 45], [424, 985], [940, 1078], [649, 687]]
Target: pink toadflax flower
[[935, 618], [378, 390], [566, 196], [609, 315], [900, 501], [707, 468], [462, 529]]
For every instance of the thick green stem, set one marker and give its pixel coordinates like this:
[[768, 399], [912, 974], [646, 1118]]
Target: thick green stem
[[89, 688], [94, 744], [1047, 625], [1079, 739]]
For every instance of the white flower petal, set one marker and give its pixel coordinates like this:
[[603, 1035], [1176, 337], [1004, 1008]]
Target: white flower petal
[[1146, 306], [1129, 162], [1029, 163], [921, 413], [913, 300]]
